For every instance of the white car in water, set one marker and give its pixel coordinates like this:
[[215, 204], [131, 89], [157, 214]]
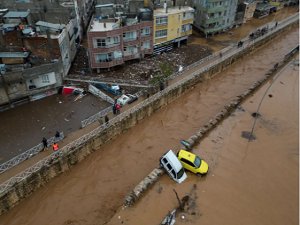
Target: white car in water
[[172, 165]]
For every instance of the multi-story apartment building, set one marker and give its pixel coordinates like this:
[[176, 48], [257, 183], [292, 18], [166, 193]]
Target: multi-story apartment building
[[112, 41], [172, 25], [214, 16], [58, 11], [245, 11]]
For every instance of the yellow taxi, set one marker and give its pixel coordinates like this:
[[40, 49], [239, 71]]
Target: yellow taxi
[[192, 162]]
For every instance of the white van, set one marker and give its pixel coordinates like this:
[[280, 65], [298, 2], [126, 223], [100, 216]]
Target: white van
[[172, 165]]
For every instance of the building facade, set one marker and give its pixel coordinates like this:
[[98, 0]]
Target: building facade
[[214, 16], [245, 11], [114, 41], [172, 25]]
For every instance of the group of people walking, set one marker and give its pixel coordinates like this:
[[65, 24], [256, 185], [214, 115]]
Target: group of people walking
[[55, 146]]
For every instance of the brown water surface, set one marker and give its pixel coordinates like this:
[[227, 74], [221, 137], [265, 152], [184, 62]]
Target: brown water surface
[[248, 183]]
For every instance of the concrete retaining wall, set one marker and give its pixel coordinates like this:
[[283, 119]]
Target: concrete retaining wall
[[116, 126]]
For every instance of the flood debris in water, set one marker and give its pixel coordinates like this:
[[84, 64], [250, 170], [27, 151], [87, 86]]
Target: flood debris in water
[[248, 135], [255, 115]]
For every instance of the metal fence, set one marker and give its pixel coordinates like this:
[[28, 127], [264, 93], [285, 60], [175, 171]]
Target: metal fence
[[28, 154], [98, 116], [69, 148]]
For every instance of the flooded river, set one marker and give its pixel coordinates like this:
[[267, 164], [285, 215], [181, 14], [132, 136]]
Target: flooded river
[[92, 191], [248, 183]]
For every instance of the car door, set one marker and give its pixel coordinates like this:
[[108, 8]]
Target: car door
[[168, 167]]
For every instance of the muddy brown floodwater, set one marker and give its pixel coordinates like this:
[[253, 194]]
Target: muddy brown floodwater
[[92, 191], [248, 183]]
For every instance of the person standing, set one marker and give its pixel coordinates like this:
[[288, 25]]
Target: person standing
[[55, 146], [114, 109], [106, 119], [45, 143], [118, 108]]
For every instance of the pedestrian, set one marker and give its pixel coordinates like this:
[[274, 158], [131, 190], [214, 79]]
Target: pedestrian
[[55, 146], [114, 109], [57, 136], [45, 143], [118, 108], [276, 24], [106, 119], [161, 86], [221, 55]]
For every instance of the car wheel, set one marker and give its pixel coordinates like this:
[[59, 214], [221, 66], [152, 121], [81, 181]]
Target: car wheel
[[199, 174]]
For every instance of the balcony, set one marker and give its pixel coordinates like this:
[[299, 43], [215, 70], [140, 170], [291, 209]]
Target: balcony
[[112, 63], [213, 20], [186, 33], [216, 9], [187, 21], [131, 56]]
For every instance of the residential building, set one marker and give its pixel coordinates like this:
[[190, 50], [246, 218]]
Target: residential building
[[113, 41], [214, 16], [55, 11], [172, 26], [245, 11]]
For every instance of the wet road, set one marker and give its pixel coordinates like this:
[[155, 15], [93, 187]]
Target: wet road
[[24, 126], [92, 191]]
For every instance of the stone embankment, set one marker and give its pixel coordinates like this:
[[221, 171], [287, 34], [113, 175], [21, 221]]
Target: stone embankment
[[25, 183]]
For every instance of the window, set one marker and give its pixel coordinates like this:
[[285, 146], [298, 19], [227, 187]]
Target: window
[[161, 20], [161, 33], [129, 35], [169, 166], [129, 50], [187, 162], [101, 42], [180, 173], [145, 31], [45, 79], [186, 27], [103, 57], [116, 40], [173, 173], [146, 45], [197, 162]]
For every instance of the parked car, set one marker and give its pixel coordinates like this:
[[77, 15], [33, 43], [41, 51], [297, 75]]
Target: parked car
[[113, 89], [192, 162], [172, 165], [126, 99]]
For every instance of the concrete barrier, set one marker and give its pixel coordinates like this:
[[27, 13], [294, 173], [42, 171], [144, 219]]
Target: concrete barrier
[[87, 144]]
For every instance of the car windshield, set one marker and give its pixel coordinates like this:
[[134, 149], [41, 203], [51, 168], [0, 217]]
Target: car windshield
[[197, 162], [180, 173]]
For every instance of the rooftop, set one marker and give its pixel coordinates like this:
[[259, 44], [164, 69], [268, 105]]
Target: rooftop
[[52, 26], [172, 10], [97, 25], [14, 54], [16, 14]]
